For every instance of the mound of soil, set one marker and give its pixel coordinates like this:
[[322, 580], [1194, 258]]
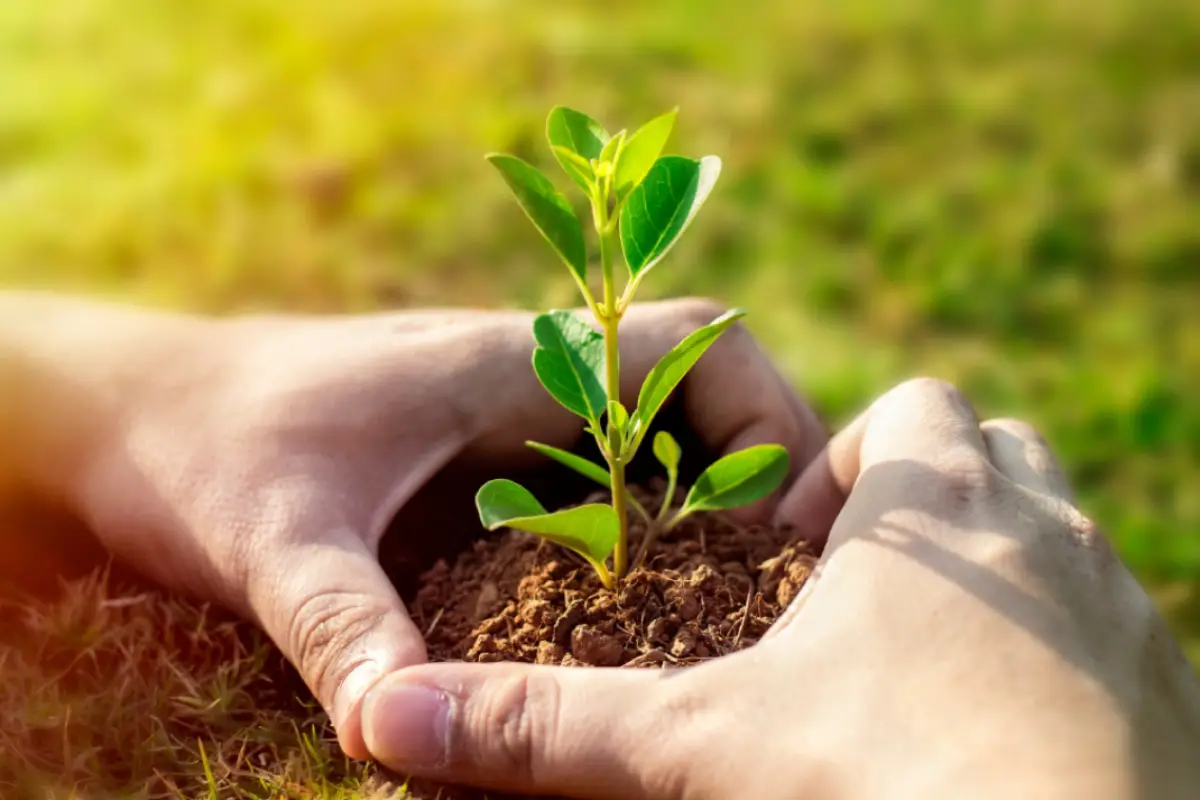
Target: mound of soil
[[706, 589]]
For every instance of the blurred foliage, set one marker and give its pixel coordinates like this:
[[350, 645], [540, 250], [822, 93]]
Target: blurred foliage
[[1004, 194]]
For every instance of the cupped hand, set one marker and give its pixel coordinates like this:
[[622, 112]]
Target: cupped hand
[[258, 461], [967, 633]]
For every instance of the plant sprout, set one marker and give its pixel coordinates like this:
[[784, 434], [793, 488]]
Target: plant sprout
[[641, 202]]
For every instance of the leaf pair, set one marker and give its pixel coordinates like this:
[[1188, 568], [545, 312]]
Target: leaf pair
[[577, 140], [656, 196], [569, 362], [735, 480], [592, 530]]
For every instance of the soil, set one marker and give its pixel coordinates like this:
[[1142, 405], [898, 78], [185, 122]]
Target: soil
[[706, 589]]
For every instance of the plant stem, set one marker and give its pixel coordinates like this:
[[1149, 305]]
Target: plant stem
[[669, 496], [606, 577], [621, 553], [612, 374]]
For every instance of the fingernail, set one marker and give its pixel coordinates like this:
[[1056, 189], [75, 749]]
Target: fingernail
[[407, 725]]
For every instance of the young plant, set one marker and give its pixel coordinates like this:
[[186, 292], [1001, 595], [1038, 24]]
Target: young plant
[[641, 203]]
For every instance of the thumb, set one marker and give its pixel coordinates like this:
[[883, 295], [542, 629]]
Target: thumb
[[581, 732], [921, 421], [336, 616]]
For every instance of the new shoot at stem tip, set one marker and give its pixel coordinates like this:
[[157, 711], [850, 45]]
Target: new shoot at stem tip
[[642, 201]]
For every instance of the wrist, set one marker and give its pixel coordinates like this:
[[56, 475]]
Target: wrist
[[73, 374]]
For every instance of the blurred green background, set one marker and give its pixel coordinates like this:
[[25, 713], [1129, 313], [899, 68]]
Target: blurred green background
[[1004, 194]]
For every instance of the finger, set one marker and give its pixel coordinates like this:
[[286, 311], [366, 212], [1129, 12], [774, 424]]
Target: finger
[[519, 727], [335, 615], [733, 397], [1020, 452], [924, 422]]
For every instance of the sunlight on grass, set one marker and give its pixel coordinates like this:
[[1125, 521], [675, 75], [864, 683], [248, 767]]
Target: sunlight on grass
[[1002, 194], [164, 699]]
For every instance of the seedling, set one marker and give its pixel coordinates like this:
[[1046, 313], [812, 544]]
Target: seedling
[[641, 202]]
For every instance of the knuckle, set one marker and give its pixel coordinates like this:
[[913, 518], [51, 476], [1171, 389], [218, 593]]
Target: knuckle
[[511, 721], [323, 637], [924, 391], [1083, 532], [1015, 427], [966, 471]]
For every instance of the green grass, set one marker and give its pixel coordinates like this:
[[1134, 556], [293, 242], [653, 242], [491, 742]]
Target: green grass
[[1006, 195]]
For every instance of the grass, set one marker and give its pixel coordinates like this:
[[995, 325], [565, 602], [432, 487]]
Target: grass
[[110, 692], [1002, 194]]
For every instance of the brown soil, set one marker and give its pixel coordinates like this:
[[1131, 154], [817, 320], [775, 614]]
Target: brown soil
[[707, 589]]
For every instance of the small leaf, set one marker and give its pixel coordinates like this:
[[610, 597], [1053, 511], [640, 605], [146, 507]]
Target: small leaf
[[577, 132], [609, 154], [587, 469], [738, 479], [617, 415], [578, 167], [502, 500], [672, 367], [667, 451], [546, 207], [590, 530], [662, 206], [569, 361], [641, 151]]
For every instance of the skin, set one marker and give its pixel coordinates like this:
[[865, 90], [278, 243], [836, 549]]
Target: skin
[[258, 461], [968, 631]]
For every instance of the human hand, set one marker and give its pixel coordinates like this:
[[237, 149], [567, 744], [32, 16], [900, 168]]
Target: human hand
[[967, 632], [258, 461]]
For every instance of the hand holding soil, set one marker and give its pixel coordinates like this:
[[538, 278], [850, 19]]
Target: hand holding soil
[[258, 461], [966, 633]]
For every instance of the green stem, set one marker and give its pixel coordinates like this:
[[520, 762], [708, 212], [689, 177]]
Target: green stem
[[670, 495], [679, 517], [639, 509], [605, 576], [612, 374], [617, 466]]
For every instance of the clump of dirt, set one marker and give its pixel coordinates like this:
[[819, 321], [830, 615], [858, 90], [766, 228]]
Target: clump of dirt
[[706, 589]]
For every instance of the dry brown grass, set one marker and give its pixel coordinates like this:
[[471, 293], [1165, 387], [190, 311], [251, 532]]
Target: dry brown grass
[[114, 691]]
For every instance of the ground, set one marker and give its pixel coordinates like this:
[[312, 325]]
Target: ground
[[1002, 194]]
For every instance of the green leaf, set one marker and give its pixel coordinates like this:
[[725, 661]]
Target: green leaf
[[500, 500], [738, 479], [641, 151], [667, 451], [587, 469], [569, 361], [590, 530], [662, 206], [546, 207], [609, 154], [672, 367], [578, 167], [617, 415], [577, 132]]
